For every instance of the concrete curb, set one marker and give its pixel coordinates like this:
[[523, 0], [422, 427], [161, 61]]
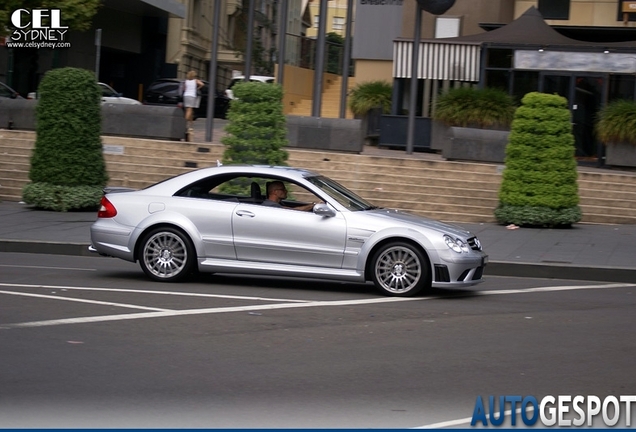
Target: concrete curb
[[494, 268], [561, 271]]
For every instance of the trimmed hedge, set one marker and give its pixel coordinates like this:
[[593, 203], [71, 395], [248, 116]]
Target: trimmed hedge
[[68, 171], [256, 131], [539, 186]]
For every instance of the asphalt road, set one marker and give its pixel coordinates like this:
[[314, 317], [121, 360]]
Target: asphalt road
[[90, 342]]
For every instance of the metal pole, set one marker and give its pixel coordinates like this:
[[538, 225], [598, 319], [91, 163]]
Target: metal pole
[[250, 36], [414, 78], [346, 61], [98, 45], [320, 59], [282, 41], [209, 120]]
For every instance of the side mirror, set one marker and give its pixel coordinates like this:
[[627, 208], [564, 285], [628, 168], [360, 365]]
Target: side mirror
[[324, 210]]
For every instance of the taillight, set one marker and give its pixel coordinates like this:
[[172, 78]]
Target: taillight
[[106, 209]]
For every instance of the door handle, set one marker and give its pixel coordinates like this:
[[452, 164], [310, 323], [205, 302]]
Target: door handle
[[245, 213]]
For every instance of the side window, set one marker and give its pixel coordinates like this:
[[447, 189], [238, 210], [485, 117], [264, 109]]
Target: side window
[[106, 91], [246, 189]]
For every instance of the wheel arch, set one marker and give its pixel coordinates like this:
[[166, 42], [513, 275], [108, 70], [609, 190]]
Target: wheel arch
[[368, 267], [149, 228]]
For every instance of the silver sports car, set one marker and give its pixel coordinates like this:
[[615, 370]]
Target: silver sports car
[[215, 220]]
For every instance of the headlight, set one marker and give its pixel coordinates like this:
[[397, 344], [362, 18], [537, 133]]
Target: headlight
[[457, 245]]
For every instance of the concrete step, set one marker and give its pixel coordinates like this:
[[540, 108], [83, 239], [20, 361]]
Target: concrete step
[[590, 217], [450, 191], [16, 146], [13, 162]]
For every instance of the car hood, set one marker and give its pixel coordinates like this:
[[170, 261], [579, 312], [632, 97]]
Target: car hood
[[393, 216]]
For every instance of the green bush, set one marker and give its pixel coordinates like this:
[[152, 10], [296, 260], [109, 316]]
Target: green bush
[[68, 171], [616, 122], [539, 186], [474, 107], [256, 131], [369, 95]]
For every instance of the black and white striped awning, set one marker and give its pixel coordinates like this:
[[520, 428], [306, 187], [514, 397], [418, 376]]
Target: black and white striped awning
[[437, 60]]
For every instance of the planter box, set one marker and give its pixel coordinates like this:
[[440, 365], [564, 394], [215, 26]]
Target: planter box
[[394, 131], [484, 145], [620, 154], [319, 133]]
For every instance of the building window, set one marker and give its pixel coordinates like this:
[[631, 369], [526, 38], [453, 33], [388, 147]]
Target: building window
[[555, 9], [446, 27], [338, 23], [316, 20]]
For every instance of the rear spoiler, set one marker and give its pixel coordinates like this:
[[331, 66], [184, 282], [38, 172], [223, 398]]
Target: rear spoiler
[[117, 189]]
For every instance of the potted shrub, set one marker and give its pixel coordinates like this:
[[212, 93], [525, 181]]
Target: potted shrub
[[616, 128], [475, 123], [368, 101], [539, 182]]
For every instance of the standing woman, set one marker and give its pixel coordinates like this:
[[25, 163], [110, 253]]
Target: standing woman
[[191, 98]]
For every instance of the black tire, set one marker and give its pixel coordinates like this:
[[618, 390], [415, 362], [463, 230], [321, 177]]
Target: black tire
[[167, 255], [399, 269]]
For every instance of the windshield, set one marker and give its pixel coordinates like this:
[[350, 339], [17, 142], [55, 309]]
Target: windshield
[[341, 194]]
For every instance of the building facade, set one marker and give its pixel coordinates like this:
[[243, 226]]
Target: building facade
[[129, 52], [582, 50]]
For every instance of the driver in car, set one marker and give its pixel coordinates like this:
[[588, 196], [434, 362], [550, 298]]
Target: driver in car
[[276, 192]]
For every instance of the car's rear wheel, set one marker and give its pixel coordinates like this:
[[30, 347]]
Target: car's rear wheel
[[166, 254], [400, 269]]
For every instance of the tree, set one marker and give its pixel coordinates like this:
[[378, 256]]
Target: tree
[[335, 52], [539, 185], [68, 171], [76, 14]]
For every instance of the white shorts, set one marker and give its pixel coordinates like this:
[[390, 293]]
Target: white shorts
[[191, 101]]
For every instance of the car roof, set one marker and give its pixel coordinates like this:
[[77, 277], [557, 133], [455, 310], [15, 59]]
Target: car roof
[[174, 183]]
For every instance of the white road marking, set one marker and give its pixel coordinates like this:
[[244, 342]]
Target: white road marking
[[204, 312], [48, 268], [161, 313], [136, 291], [467, 420], [70, 299], [556, 288]]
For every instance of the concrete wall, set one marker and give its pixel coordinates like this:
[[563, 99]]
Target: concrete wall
[[318, 133], [17, 114], [374, 70], [484, 145], [141, 121]]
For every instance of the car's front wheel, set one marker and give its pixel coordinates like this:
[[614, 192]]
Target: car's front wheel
[[166, 254], [400, 269]]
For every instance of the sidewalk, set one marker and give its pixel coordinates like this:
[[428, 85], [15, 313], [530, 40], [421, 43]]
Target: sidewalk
[[583, 252]]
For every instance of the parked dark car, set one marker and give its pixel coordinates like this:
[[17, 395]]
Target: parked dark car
[[8, 92], [165, 91]]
